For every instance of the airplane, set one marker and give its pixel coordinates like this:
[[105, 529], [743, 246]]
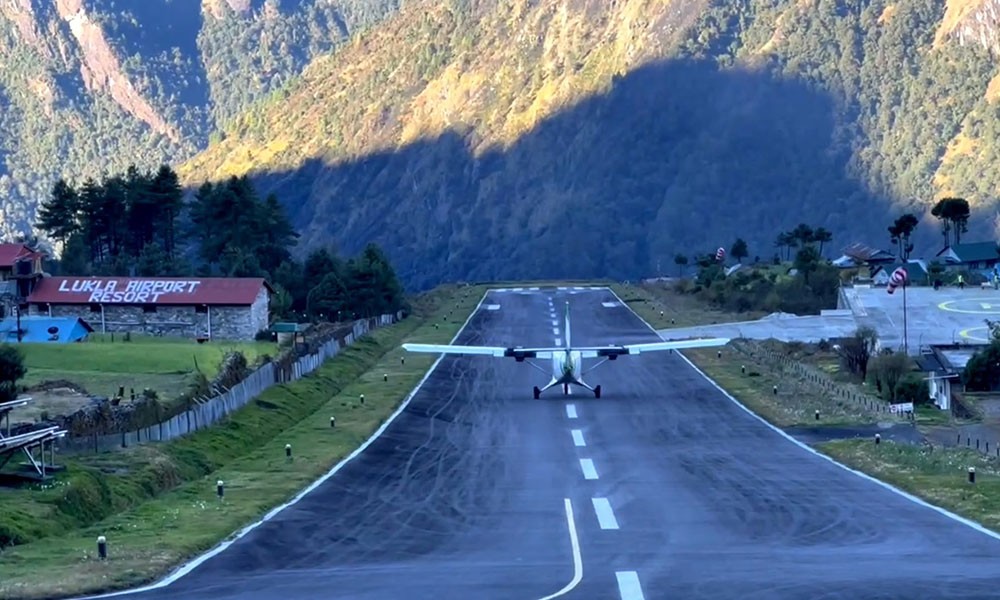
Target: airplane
[[567, 362]]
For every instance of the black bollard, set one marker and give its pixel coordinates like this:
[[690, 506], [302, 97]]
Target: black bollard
[[220, 489], [333, 422], [817, 414], [402, 360], [362, 398], [385, 377], [288, 451], [972, 474], [102, 547], [775, 390], [977, 443], [718, 354], [878, 439], [743, 369]]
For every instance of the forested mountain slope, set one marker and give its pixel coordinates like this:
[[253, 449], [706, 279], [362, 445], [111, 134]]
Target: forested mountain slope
[[516, 138], [90, 86]]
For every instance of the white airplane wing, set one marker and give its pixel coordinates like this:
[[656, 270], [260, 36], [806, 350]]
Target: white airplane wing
[[595, 352], [498, 351]]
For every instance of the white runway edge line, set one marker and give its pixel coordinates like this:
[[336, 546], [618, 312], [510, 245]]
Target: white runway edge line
[[571, 411], [574, 542], [861, 474], [605, 516], [191, 566], [587, 465], [628, 585], [578, 438]]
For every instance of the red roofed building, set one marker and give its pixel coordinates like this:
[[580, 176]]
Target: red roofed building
[[208, 307]]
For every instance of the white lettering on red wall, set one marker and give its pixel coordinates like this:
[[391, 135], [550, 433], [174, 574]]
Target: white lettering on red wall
[[137, 291]]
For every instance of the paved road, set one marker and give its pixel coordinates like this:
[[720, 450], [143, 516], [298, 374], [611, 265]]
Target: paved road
[[689, 496]]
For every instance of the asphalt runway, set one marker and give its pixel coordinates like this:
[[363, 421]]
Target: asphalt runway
[[663, 488]]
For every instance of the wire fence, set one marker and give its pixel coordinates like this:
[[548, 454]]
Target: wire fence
[[211, 411]]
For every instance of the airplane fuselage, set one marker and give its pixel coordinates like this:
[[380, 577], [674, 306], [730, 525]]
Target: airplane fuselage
[[566, 366]]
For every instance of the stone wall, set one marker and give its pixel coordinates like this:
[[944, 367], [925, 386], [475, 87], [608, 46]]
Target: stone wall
[[227, 322]]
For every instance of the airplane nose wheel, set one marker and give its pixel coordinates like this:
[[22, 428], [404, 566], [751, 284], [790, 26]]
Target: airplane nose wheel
[[537, 392], [565, 389]]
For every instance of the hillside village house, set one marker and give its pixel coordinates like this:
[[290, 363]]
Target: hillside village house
[[20, 267], [977, 256], [200, 308]]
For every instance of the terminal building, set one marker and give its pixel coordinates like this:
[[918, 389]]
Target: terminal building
[[200, 308]]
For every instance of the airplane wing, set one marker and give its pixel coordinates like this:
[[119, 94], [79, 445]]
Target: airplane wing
[[497, 351], [615, 351]]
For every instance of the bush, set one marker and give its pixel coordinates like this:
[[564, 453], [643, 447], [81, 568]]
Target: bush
[[913, 388], [12, 369]]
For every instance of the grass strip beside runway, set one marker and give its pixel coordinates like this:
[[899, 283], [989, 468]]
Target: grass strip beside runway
[[937, 475], [153, 535]]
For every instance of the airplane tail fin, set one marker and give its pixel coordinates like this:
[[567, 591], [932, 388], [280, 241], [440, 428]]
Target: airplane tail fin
[[566, 326]]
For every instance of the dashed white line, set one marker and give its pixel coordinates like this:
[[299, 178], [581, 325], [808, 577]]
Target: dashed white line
[[574, 542], [589, 472], [555, 331], [578, 438], [555, 323], [571, 411], [558, 342], [605, 516], [628, 585]]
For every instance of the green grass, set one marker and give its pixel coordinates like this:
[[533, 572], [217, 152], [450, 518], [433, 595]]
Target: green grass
[[147, 536], [938, 475], [162, 364]]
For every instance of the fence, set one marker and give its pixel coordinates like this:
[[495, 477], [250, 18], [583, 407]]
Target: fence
[[817, 378], [211, 411]]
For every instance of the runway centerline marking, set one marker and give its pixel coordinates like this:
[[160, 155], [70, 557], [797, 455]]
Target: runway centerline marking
[[554, 322], [628, 585], [578, 438], [558, 342], [555, 331], [574, 542], [589, 472], [571, 411], [605, 516]]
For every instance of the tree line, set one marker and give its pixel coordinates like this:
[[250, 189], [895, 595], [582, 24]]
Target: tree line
[[139, 224]]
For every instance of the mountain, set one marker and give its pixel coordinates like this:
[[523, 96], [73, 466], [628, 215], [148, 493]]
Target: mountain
[[89, 86], [576, 138]]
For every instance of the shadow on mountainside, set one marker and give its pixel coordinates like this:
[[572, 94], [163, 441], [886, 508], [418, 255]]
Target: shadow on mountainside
[[676, 156]]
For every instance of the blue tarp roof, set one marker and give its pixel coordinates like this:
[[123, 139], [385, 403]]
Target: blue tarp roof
[[45, 329]]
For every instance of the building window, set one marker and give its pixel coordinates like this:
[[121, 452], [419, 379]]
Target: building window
[[201, 308], [149, 308], [96, 308]]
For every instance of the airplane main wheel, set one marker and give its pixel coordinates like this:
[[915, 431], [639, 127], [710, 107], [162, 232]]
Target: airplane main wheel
[[597, 392], [537, 392]]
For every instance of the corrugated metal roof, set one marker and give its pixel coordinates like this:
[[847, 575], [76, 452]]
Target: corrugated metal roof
[[9, 253], [240, 291], [45, 329]]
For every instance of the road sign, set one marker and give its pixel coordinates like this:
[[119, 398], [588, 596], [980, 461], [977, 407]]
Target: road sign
[[905, 407]]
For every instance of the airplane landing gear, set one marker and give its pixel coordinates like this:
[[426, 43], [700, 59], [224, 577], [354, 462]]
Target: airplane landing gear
[[565, 389], [597, 391], [537, 392]]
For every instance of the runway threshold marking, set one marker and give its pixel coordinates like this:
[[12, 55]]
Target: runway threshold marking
[[578, 438], [574, 541], [628, 585], [587, 465], [605, 516], [571, 411]]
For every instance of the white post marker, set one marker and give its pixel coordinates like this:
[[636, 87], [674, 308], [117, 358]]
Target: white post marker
[[589, 472], [605, 516], [628, 585], [578, 438], [571, 411]]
